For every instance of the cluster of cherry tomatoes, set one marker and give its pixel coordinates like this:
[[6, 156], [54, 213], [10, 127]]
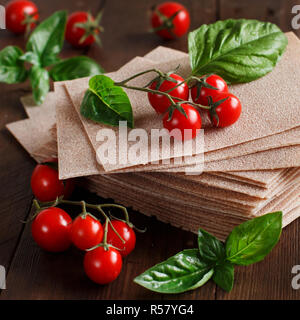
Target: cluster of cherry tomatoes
[[169, 20], [210, 91], [54, 230], [81, 31]]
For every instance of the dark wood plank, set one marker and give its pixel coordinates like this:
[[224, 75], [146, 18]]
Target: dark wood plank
[[15, 164], [278, 12], [126, 33], [286, 15], [15, 171]]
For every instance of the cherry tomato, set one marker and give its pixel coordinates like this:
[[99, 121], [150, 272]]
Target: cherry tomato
[[51, 229], [45, 184], [126, 233], [74, 34], [228, 111], [160, 102], [175, 26], [86, 232], [102, 266], [216, 82], [179, 121], [18, 13]]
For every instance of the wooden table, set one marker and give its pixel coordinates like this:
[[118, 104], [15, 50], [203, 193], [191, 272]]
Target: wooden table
[[34, 274]]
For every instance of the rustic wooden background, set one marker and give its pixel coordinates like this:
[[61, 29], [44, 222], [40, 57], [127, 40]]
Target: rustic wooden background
[[34, 274]]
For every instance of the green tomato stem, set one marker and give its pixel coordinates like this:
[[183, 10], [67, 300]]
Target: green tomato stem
[[85, 205], [124, 84], [187, 80], [121, 83], [171, 98], [105, 234]]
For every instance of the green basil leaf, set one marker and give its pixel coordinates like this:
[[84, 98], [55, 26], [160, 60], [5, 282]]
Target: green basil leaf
[[210, 248], [39, 79], [47, 39], [12, 69], [76, 67], [182, 272], [31, 57], [106, 103], [237, 50], [224, 276], [251, 241]]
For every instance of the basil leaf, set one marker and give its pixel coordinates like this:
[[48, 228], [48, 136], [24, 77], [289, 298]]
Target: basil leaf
[[76, 67], [251, 241], [31, 57], [39, 79], [47, 39], [106, 103], [224, 276], [182, 272], [237, 50], [12, 69], [210, 248]]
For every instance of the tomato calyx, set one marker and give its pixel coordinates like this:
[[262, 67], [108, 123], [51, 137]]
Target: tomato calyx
[[28, 21], [161, 77], [84, 212], [36, 205], [213, 106], [104, 243], [202, 83], [91, 27], [166, 22], [174, 107]]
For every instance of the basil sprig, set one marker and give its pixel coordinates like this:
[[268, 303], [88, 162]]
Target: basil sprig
[[12, 69], [237, 50], [39, 79], [248, 243], [43, 47], [47, 39]]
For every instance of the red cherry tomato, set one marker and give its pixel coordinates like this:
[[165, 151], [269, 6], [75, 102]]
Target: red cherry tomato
[[102, 266], [126, 233], [228, 111], [16, 13], [179, 121], [74, 34], [216, 82], [51, 229], [160, 102], [174, 27], [45, 184], [86, 232]]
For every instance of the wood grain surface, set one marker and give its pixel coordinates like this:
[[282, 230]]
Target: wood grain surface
[[35, 274]]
